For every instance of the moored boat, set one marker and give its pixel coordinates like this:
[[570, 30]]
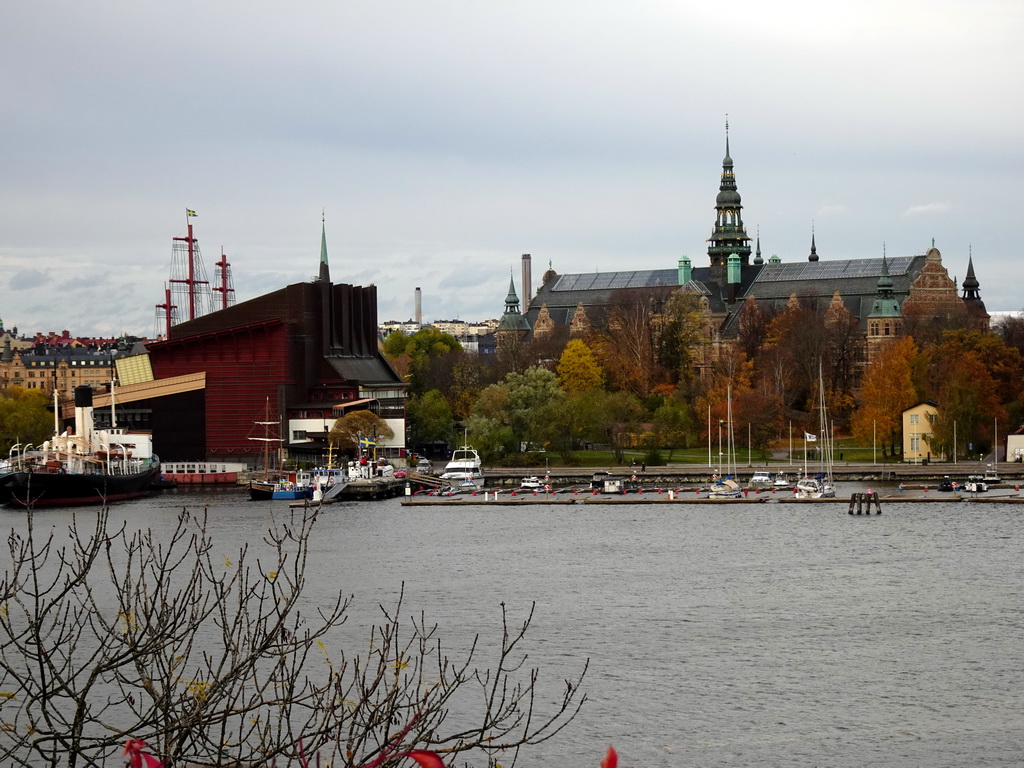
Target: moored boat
[[531, 483], [820, 485], [84, 465], [761, 480], [975, 484], [781, 481], [463, 470], [293, 486], [201, 472]]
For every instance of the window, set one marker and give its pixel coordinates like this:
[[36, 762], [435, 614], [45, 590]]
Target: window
[[298, 434], [915, 443], [915, 418]]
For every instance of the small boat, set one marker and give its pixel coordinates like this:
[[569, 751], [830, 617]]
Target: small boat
[[761, 480], [463, 470], [725, 489], [821, 485], [946, 484], [531, 483], [298, 485], [84, 466], [975, 484], [991, 476], [781, 481], [723, 486], [814, 488]]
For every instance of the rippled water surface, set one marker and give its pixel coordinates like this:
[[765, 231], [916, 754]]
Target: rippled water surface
[[735, 635]]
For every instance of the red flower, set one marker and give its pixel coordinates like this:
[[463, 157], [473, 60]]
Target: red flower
[[424, 758], [137, 758]]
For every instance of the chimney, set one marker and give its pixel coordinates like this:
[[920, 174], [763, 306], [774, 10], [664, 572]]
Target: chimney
[[527, 283], [418, 313]]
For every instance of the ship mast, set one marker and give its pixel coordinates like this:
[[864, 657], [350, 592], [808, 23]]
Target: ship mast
[[168, 312], [224, 285], [190, 273]]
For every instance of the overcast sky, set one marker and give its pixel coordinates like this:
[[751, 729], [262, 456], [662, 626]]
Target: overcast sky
[[445, 139]]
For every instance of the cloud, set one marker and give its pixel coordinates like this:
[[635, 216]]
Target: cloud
[[927, 209], [27, 279]]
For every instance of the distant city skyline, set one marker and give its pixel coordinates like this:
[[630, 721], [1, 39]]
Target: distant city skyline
[[442, 142]]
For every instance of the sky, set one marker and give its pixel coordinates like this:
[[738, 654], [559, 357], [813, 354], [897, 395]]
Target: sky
[[440, 141]]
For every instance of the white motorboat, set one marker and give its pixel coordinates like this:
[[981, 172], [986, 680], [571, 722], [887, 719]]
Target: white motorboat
[[531, 483], [761, 480], [463, 470]]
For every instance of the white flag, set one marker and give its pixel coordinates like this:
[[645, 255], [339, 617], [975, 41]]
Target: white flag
[[809, 437]]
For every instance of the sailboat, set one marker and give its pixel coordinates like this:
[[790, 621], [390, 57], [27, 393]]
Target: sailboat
[[821, 485], [725, 486], [275, 483]]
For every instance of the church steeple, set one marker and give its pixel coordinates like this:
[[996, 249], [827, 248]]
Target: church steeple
[[972, 297], [325, 272], [729, 235], [512, 300], [814, 248], [971, 284], [886, 318], [512, 319], [757, 254]]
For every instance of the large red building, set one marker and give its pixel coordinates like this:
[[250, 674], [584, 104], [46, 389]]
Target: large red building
[[302, 355]]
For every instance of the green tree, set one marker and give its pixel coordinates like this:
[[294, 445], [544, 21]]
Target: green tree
[[673, 426], [430, 418], [24, 418], [578, 369], [680, 334], [417, 355], [489, 426], [574, 422], [617, 417], [534, 397]]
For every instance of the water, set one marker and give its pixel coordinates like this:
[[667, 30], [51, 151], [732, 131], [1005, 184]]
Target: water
[[768, 634]]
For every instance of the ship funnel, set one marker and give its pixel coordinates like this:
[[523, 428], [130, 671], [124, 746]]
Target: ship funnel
[[83, 413]]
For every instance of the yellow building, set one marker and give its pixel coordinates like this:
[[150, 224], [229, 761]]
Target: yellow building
[[918, 425], [46, 369]]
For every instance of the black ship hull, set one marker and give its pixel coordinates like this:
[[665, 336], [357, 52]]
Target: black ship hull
[[56, 489]]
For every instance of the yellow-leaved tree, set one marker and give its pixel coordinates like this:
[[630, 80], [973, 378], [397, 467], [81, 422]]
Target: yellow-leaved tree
[[578, 369]]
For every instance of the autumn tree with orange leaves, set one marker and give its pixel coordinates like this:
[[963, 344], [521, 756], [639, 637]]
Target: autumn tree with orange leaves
[[887, 390]]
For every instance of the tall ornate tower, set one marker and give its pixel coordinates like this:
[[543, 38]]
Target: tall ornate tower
[[512, 321], [729, 235], [886, 320], [972, 298]]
